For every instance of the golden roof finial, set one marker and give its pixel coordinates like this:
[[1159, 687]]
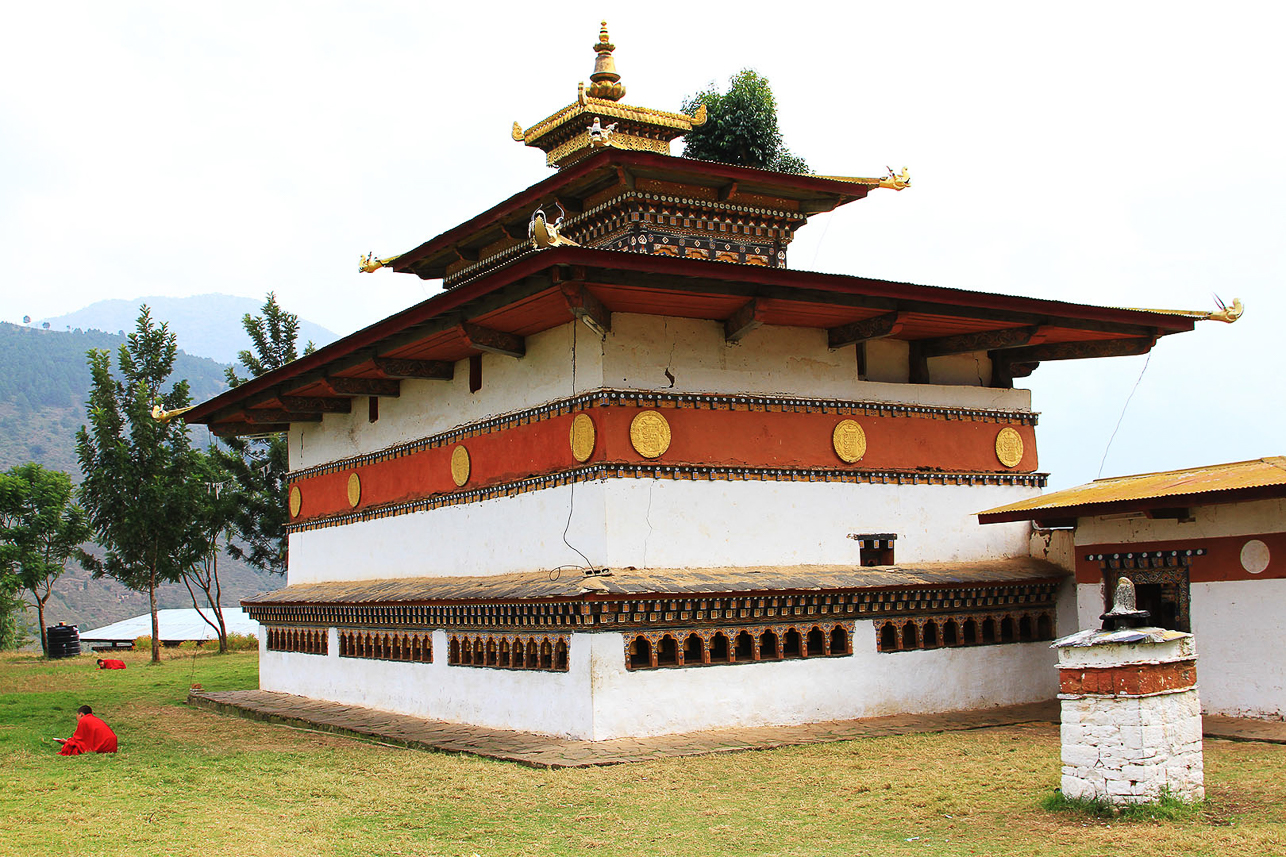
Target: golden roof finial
[[605, 82]]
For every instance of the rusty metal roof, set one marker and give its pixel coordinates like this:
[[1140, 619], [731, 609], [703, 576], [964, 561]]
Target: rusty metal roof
[[1217, 483], [632, 583]]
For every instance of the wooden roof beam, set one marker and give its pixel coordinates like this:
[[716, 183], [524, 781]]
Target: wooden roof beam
[[746, 318], [385, 387], [584, 305], [236, 429], [877, 327], [315, 405], [983, 340], [270, 416], [493, 341], [1079, 350], [435, 370]]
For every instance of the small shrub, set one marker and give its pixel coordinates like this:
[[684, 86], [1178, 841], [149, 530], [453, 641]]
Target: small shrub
[[242, 642], [189, 645], [143, 644], [1167, 808]]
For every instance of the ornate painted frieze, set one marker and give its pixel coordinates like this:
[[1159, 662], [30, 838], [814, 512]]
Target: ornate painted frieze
[[663, 612], [614, 434]]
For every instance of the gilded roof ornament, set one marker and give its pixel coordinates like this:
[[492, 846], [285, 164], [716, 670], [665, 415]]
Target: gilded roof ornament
[[605, 83], [544, 234], [567, 136]]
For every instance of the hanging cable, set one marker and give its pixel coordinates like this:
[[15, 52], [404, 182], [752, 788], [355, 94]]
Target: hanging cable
[[1122, 417], [571, 497]]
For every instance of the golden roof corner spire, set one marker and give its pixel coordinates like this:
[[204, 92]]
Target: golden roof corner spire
[[605, 82]]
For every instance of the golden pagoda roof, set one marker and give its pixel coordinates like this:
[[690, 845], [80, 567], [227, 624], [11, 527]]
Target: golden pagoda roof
[[569, 135]]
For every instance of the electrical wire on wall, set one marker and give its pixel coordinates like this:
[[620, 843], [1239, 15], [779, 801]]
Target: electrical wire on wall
[[1122, 417], [571, 495]]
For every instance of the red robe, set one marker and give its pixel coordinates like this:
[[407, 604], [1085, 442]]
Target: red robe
[[112, 664], [91, 736]]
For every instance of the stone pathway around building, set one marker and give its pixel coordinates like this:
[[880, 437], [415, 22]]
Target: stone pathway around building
[[547, 751]]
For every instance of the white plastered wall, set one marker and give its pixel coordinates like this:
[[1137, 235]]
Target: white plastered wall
[[661, 523], [1237, 623], [636, 354], [598, 698]]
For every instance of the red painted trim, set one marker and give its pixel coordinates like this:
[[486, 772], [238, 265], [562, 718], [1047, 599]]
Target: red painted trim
[[698, 437], [1128, 679], [1221, 562]]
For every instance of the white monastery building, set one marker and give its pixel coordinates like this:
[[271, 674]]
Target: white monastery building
[[630, 474]]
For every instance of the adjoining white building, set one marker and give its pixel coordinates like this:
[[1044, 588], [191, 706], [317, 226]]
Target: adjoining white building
[[1206, 551], [629, 474]]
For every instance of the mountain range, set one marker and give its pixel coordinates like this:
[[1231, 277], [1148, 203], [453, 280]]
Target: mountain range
[[44, 383]]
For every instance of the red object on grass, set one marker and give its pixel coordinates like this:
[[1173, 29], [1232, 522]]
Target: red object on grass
[[111, 664], [91, 736]]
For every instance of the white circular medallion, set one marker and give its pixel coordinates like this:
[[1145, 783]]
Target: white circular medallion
[[1254, 556]]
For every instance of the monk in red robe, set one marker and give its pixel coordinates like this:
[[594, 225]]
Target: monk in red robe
[[110, 664], [91, 736]]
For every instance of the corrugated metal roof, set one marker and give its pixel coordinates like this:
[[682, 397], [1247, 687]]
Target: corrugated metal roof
[[176, 625], [627, 582], [1240, 476]]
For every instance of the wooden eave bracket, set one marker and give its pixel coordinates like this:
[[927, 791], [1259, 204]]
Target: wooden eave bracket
[[315, 405], [1080, 350], [383, 387], [984, 340], [266, 416], [877, 327], [396, 367], [585, 306], [494, 341], [747, 317]]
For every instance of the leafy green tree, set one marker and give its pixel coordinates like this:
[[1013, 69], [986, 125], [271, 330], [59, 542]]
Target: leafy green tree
[[11, 607], [139, 491], [217, 509], [40, 529], [259, 465], [740, 127]]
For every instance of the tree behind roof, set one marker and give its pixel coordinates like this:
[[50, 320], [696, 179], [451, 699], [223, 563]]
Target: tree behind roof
[[139, 491], [259, 465], [740, 127], [40, 529]]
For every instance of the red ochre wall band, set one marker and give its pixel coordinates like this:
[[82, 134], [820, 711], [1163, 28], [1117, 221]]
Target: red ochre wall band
[[711, 437], [1212, 560]]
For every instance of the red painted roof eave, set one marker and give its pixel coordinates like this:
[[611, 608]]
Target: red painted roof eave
[[533, 195], [617, 260]]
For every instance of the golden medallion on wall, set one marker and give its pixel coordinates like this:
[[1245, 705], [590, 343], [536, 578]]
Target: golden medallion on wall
[[354, 489], [460, 465], [582, 437], [296, 501], [1009, 447], [849, 441], [650, 434]]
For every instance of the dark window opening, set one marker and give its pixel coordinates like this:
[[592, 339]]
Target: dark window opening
[[692, 647], [817, 643], [475, 373], [875, 548], [889, 638], [719, 649], [745, 647], [768, 646], [372, 408], [667, 654], [791, 646]]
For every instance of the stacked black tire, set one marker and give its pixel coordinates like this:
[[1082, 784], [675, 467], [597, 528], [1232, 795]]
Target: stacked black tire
[[64, 641]]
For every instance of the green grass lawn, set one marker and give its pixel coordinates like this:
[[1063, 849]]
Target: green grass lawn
[[190, 782]]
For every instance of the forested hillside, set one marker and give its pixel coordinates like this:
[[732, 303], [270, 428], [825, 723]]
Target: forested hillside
[[44, 382]]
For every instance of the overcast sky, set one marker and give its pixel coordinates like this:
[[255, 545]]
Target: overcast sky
[[1124, 153]]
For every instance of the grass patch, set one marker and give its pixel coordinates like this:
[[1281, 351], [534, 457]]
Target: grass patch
[[191, 782], [1167, 808]]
